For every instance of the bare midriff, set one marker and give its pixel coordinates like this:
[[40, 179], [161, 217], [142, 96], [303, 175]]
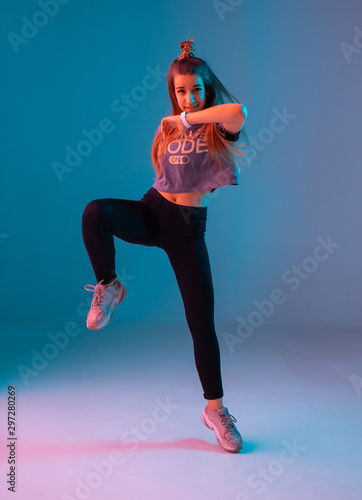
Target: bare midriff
[[195, 199]]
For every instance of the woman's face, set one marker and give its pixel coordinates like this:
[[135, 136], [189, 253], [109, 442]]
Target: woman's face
[[190, 92]]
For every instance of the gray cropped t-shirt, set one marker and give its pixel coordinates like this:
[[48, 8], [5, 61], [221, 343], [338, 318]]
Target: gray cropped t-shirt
[[187, 165]]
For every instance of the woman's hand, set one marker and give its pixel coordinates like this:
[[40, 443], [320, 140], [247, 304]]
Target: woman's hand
[[169, 123]]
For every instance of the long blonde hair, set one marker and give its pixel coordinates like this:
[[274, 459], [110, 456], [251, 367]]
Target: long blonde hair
[[220, 149]]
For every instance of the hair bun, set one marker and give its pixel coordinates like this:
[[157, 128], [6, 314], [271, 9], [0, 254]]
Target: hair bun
[[188, 49]]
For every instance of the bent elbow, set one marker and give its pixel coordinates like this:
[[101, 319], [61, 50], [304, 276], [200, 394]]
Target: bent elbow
[[242, 115], [244, 111]]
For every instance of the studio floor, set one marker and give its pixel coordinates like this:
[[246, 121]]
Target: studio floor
[[115, 414]]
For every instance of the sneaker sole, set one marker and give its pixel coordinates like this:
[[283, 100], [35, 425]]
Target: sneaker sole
[[108, 318], [226, 446]]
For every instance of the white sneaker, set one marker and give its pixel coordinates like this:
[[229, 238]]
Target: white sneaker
[[104, 301], [223, 424]]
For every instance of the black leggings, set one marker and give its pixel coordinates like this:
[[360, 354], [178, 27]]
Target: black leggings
[[180, 231]]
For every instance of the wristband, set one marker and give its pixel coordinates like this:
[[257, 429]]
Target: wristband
[[183, 119]]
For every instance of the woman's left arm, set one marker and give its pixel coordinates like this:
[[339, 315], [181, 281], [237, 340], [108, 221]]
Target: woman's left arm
[[231, 115]]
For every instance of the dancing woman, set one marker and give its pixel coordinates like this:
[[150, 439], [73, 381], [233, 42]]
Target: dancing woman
[[194, 152]]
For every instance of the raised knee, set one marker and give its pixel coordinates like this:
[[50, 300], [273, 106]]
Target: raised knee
[[92, 210]]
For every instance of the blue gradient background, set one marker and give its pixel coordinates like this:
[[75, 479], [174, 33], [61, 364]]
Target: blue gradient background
[[298, 379], [305, 183]]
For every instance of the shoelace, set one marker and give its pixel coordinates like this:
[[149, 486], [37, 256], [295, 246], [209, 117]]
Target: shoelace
[[227, 420], [99, 294]]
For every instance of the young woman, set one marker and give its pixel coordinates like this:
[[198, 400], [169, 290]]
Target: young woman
[[192, 154]]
